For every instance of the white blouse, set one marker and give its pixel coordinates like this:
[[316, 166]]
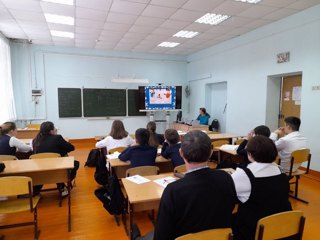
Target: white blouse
[[111, 143]]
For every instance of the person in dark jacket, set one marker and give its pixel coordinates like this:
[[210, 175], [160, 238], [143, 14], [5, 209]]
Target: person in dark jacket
[[142, 154], [171, 146], [48, 140], [262, 188], [204, 199]]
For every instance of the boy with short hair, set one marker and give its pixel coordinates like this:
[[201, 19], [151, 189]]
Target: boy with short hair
[[171, 147]]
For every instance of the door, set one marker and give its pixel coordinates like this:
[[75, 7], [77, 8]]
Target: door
[[290, 98]]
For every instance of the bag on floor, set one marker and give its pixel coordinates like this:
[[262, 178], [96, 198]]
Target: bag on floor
[[101, 174], [92, 158], [112, 197]]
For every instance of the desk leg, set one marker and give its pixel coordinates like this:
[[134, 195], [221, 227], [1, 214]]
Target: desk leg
[[219, 157], [69, 200], [131, 222]]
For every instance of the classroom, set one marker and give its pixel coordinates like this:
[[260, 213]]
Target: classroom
[[234, 69]]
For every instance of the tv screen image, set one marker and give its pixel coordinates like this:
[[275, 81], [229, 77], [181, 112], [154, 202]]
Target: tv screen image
[[160, 97]]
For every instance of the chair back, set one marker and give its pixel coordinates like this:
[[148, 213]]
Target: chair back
[[300, 156], [45, 155], [143, 171], [212, 234], [15, 185], [7, 157], [238, 141], [118, 149], [219, 143], [34, 126], [181, 168], [280, 225]]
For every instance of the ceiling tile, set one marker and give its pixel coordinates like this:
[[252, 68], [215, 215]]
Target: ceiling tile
[[236, 21], [26, 5], [101, 5], [158, 11], [257, 23], [42, 42], [278, 14], [303, 4], [91, 14], [198, 27], [27, 15], [187, 15], [89, 23], [149, 21], [201, 5], [141, 29], [257, 11], [61, 27], [127, 7], [164, 31], [86, 37], [87, 30], [277, 3], [174, 24], [169, 3], [231, 8], [121, 18], [117, 27]]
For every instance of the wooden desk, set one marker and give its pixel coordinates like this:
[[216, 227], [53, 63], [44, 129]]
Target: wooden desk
[[119, 167], [232, 153], [185, 127], [43, 171], [142, 197], [222, 136], [27, 133]]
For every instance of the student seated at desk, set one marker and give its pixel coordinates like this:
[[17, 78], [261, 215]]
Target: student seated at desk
[[48, 140], [9, 144], [171, 147], [141, 154], [262, 188], [202, 200], [155, 139], [118, 137]]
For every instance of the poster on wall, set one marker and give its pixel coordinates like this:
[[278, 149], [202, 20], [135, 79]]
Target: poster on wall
[[296, 93]]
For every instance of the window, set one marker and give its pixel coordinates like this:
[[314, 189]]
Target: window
[[7, 108]]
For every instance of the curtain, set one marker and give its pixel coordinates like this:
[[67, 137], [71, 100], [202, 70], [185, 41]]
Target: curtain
[[7, 106]]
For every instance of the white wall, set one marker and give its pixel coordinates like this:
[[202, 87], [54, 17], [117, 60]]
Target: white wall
[[49, 68], [245, 64]]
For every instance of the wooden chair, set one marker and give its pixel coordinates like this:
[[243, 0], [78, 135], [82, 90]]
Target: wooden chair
[[239, 141], [143, 171], [215, 144], [219, 143], [212, 234], [280, 225], [18, 185], [34, 126], [7, 157], [181, 168], [298, 156], [45, 155], [118, 149]]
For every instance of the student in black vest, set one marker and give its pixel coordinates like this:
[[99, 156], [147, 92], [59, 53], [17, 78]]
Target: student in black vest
[[142, 154], [48, 140], [171, 147], [9, 144], [262, 188], [155, 139], [202, 200]]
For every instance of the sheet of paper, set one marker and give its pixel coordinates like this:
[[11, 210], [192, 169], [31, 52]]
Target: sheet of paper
[[138, 179], [164, 181], [229, 147], [114, 155], [159, 150]]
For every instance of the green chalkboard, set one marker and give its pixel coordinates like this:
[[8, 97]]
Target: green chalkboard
[[69, 101], [133, 103], [104, 102]]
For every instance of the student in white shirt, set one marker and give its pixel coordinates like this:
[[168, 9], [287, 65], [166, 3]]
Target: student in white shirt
[[9, 144], [118, 137], [287, 140]]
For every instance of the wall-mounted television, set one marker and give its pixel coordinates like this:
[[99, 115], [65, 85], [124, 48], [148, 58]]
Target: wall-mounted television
[[160, 97]]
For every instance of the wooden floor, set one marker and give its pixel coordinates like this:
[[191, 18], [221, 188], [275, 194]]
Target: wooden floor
[[91, 221]]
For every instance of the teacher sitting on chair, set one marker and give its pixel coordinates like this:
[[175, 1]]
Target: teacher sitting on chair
[[203, 117]]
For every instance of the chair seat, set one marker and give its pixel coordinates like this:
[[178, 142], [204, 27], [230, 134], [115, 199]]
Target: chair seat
[[298, 172], [17, 205]]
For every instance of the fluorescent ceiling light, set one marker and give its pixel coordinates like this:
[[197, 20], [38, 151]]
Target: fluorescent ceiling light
[[248, 1], [212, 18], [66, 2], [130, 80], [168, 44], [186, 34], [52, 18], [62, 34]]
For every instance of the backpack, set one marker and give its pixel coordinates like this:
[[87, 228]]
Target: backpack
[[111, 196], [92, 158], [101, 174], [214, 125]]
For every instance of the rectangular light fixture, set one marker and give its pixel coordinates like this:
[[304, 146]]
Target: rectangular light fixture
[[168, 44], [186, 34], [66, 2], [248, 1], [129, 80], [52, 18], [62, 34], [212, 18]]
